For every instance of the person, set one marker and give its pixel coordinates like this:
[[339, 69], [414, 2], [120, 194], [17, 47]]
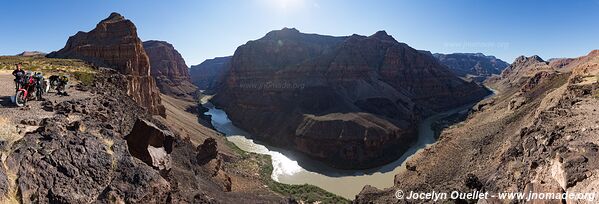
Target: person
[[18, 73]]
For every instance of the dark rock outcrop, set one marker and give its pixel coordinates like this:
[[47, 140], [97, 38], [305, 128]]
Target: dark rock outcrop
[[169, 69], [86, 160], [210, 74], [350, 101], [114, 43], [58, 165], [476, 66]]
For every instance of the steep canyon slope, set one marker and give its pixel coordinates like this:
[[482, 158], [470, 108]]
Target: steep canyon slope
[[539, 134]]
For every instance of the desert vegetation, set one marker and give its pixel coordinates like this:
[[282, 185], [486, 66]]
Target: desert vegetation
[[72, 67]]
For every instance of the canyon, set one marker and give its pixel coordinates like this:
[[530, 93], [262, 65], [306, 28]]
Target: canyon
[[356, 105], [350, 101]]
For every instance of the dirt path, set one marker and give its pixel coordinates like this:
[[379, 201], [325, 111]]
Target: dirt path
[[33, 109]]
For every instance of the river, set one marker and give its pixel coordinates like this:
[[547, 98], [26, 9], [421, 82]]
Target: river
[[346, 183]]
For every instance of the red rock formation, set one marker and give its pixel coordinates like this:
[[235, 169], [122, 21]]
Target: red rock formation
[[169, 69], [350, 101], [114, 43]]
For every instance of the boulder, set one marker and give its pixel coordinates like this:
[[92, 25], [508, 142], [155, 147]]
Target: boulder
[[207, 151], [150, 144]]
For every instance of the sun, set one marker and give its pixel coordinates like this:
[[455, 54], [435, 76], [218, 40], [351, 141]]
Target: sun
[[287, 4]]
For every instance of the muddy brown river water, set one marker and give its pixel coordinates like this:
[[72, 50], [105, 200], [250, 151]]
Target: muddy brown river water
[[292, 168]]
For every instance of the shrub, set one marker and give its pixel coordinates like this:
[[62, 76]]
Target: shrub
[[86, 78]]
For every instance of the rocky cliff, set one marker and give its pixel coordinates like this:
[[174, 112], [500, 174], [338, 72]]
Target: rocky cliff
[[209, 74], [114, 43], [537, 135], [476, 66], [351, 101], [169, 69]]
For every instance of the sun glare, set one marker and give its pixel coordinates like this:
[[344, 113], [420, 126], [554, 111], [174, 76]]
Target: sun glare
[[287, 4]]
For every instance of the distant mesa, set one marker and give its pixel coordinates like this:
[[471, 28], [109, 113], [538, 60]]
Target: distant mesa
[[114, 43], [31, 54], [351, 101], [169, 69], [473, 66]]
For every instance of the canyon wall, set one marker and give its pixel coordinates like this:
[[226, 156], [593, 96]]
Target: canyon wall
[[210, 74], [169, 69]]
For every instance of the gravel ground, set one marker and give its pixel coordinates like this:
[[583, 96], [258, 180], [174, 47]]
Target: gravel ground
[[33, 109]]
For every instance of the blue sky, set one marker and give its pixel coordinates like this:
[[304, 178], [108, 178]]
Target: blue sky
[[206, 29]]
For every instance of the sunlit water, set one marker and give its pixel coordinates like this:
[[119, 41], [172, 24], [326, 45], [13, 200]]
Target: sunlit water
[[293, 168]]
